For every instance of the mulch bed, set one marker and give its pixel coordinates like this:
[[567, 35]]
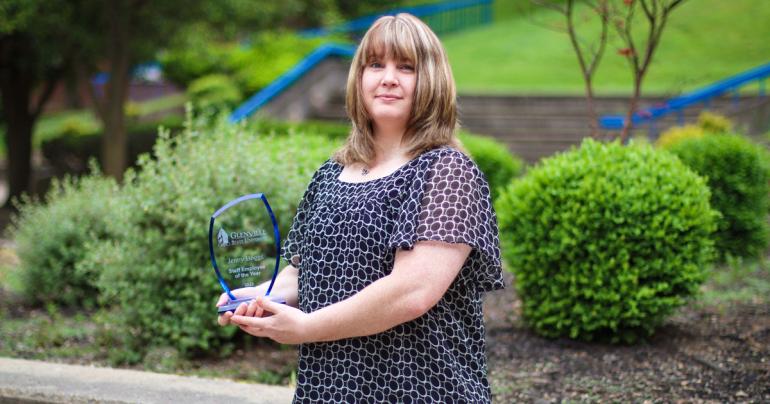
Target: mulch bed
[[702, 354]]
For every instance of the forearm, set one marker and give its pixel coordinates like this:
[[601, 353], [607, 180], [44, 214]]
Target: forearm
[[388, 302], [285, 285], [419, 279]]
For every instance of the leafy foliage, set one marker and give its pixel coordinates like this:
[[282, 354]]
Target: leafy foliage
[[494, 160], [738, 173], [214, 92], [53, 237], [679, 133], [141, 249], [156, 270], [606, 241], [708, 123], [252, 65]]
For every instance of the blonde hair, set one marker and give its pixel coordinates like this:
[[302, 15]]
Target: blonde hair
[[433, 119]]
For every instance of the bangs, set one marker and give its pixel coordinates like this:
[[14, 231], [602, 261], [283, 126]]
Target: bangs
[[389, 39]]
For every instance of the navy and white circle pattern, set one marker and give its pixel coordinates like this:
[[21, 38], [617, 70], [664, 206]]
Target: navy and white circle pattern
[[344, 237]]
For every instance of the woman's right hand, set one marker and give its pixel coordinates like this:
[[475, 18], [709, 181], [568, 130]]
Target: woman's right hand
[[251, 309]]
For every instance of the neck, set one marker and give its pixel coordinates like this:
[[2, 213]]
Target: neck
[[387, 142]]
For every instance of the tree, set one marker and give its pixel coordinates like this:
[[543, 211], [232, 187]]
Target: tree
[[135, 30], [622, 15], [131, 31], [590, 53], [640, 53], [38, 45], [42, 41]]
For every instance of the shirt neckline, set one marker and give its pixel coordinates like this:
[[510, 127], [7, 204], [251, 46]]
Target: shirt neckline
[[340, 167]]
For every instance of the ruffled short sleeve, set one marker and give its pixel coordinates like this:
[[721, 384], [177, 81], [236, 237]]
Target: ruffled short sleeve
[[449, 201], [291, 250]]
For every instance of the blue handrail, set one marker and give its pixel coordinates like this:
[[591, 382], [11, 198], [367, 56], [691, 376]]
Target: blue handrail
[[427, 10], [285, 80], [678, 104]]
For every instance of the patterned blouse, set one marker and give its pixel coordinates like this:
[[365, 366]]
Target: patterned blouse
[[344, 237]]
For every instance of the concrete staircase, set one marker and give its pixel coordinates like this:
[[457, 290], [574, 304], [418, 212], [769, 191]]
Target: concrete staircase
[[538, 126]]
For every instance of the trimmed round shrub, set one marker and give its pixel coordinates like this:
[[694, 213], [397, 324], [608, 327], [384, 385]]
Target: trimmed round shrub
[[156, 273], [712, 122], [494, 160], [53, 236], [679, 133], [738, 173], [605, 241]]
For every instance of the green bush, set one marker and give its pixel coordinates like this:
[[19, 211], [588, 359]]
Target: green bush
[[605, 240], [157, 272], [214, 92], [252, 67], [193, 55], [333, 130], [69, 152], [494, 160], [54, 236], [738, 173], [268, 56]]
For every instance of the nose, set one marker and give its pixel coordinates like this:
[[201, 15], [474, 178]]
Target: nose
[[389, 78]]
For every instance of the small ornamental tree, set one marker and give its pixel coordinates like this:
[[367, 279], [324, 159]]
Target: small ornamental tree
[[606, 241], [638, 46]]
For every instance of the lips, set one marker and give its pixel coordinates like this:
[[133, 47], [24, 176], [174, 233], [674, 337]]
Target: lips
[[388, 97]]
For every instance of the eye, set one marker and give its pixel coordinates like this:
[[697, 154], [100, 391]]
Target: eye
[[406, 66], [375, 65]]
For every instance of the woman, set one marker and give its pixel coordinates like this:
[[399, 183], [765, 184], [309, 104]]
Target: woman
[[393, 244]]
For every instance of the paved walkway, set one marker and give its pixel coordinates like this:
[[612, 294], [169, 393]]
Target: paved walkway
[[23, 381]]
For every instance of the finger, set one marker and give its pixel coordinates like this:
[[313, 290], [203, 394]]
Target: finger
[[256, 322], [222, 299], [224, 318], [268, 305], [241, 309], [251, 310]]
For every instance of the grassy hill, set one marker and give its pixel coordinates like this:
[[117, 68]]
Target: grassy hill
[[705, 41]]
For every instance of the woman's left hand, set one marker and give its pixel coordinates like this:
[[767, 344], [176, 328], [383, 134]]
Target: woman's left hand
[[287, 325]]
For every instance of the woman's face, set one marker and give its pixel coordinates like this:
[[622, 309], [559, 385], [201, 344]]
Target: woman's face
[[388, 91]]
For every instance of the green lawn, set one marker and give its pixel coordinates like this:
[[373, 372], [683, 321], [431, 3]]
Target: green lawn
[[705, 41]]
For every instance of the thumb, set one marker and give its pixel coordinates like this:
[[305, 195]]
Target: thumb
[[269, 305]]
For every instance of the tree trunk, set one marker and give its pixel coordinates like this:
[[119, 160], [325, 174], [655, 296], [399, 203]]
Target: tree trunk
[[632, 105], [593, 118], [18, 141], [16, 89], [114, 142]]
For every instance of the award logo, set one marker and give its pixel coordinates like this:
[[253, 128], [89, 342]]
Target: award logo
[[222, 238]]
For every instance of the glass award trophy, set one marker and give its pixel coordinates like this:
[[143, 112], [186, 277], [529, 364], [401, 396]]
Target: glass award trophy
[[245, 247]]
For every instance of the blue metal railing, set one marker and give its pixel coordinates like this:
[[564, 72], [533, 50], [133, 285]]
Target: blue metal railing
[[441, 17], [285, 80], [678, 104]]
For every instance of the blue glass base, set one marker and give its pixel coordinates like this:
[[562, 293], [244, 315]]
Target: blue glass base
[[233, 304]]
